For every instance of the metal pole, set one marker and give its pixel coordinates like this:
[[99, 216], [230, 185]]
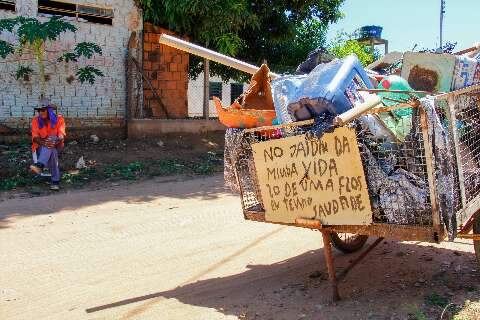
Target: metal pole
[[206, 89], [209, 54], [442, 12]]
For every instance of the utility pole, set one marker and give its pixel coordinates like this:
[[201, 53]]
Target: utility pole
[[442, 13]]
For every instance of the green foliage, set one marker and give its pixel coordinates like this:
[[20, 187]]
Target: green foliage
[[282, 32], [31, 31], [5, 49], [34, 36], [128, 172], [344, 45], [87, 49], [17, 160], [22, 72], [9, 24], [68, 57], [88, 74], [415, 313], [435, 299], [309, 35]]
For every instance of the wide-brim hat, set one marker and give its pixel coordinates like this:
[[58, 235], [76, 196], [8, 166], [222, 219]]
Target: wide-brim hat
[[43, 104], [54, 107]]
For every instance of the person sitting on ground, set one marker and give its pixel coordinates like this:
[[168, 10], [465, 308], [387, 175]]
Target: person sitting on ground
[[48, 135]]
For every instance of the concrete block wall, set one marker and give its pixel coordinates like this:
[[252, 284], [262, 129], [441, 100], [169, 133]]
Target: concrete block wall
[[100, 105], [168, 70]]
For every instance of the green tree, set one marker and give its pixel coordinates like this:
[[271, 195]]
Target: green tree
[[281, 32], [33, 38], [345, 44]]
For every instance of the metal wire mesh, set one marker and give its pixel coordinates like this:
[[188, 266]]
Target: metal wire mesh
[[393, 155], [394, 165], [467, 113], [396, 172]]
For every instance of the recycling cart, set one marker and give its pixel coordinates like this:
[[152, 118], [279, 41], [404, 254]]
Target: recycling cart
[[420, 183], [408, 172]]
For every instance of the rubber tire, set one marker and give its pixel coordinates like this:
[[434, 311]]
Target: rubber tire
[[348, 247], [476, 243]]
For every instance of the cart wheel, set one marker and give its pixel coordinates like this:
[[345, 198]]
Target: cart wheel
[[476, 230], [348, 242]]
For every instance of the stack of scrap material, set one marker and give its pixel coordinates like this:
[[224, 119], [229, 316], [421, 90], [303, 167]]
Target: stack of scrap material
[[391, 141]]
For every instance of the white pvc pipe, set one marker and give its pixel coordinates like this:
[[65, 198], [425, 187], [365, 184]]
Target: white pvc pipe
[[371, 101], [209, 54]]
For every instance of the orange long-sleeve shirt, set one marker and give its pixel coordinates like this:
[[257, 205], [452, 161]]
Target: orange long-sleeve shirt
[[47, 130]]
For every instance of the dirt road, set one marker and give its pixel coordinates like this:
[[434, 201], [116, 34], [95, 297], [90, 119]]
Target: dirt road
[[166, 249]]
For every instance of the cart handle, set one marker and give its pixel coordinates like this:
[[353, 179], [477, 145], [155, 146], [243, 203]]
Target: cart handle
[[209, 54]]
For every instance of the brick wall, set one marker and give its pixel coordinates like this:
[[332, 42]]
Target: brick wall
[[102, 104], [168, 70]]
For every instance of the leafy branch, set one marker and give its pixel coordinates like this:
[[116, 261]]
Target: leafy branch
[[23, 72], [88, 74], [34, 37], [5, 49]]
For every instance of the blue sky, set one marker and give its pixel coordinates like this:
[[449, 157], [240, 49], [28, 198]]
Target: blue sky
[[409, 22]]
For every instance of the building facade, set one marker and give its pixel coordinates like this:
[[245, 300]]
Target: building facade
[[108, 23], [225, 91]]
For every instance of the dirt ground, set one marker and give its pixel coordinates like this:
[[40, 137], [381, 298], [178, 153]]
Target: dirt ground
[[113, 161], [170, 248]]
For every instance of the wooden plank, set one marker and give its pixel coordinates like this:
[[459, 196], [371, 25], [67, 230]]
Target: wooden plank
[[458, 156], [471, 49], [391, 108], [371, 101], [315, 178], [430, 170], [206, 89], [396, 91], [282, 126], [458, 92], [149, 83], [392, 231], [388, 231], [309, 122], [474, 237], [332, 275], [468, 212]]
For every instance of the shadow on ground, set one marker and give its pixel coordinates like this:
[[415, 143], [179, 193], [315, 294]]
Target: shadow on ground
[[396, 281], [204, 188]]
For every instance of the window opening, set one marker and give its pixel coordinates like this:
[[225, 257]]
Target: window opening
[[80, 11], [236, 90], [215, 90], [7, 5]]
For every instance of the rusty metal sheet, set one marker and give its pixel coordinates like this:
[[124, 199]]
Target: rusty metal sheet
[[428, 71]]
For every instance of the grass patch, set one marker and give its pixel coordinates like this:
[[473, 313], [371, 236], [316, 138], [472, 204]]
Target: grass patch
[[434, 299], [129, 171], [415, 313], [206, 164]]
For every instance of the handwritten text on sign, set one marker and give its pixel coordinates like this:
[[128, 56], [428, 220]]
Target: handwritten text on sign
[[318, 179]]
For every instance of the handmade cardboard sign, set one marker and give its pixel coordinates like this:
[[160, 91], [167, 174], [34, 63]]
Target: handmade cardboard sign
[[320, 179]]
